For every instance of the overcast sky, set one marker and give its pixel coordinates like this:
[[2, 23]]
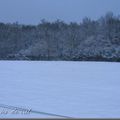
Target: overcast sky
[[32, 11]]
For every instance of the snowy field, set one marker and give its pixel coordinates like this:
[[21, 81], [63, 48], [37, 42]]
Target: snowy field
[[74, 89]]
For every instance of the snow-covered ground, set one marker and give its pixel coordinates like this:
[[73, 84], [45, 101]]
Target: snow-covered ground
[[74, 89]]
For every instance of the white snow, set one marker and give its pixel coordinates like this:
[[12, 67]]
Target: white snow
[[75, 89]]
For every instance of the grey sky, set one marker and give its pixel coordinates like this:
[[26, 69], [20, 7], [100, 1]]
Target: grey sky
[[32, 11]]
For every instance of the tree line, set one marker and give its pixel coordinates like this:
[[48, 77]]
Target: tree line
[[89, 40]]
